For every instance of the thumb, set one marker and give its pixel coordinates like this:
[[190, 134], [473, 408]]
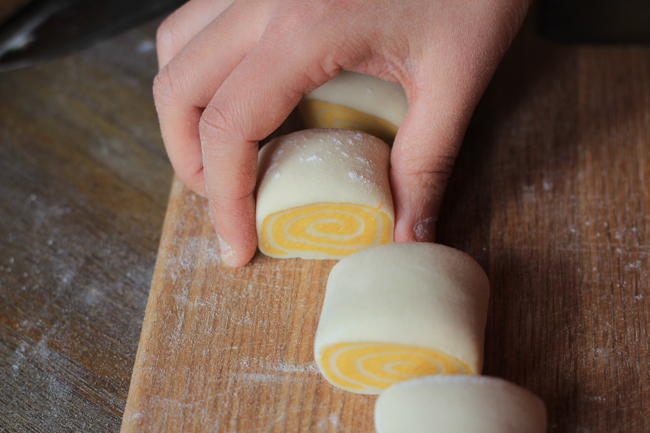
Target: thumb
[[425, 150], [449, 77]]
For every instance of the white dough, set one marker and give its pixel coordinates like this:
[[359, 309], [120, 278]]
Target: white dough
[[417, 294], [323, 166], [459, 404], [365, 93]]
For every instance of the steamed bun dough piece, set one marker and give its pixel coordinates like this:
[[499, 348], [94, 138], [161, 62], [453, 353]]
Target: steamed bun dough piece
[[400, 311], [356, 101], [459, 404], [323, 194]]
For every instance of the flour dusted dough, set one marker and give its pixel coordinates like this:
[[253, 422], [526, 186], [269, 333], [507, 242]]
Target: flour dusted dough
[[459, 404], [400, 311], [357, 101], [323, 194]]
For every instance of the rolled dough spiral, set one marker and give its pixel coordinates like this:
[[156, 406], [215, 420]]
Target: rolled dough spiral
[[356, 101], [400, 311], [323, 194]]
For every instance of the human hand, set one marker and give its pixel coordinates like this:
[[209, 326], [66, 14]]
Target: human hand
[[231, 73]]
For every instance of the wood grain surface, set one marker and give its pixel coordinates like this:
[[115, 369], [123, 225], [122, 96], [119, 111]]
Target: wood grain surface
[[227, 349], [551, 194], [84, 184]]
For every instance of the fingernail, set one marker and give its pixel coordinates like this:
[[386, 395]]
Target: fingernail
[[227, 253], [425, 230]]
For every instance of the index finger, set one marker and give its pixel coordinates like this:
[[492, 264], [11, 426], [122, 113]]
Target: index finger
[[255, 99], [184, 24]]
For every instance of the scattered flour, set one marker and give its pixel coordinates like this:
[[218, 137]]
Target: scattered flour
[[356, 176], [313, 158]]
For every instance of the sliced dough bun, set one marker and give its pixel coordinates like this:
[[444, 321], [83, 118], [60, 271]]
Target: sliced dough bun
[[459, 404], [400, 311], [356, 101], [323, 194]]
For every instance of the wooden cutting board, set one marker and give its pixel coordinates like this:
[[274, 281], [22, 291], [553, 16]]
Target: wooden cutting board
[[227, 349], [550, 194]]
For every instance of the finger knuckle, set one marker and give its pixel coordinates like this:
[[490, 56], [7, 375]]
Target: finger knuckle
[[237, 185], [238, 193], [218, 124], [169, 84], [428, 171], [163, 86]]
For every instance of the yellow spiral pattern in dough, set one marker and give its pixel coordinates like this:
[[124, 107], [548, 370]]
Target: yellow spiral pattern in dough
[[369, 367], [324, 230], [321, 114]]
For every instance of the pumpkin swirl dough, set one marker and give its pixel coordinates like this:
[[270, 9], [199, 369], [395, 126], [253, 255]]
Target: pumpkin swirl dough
[[406, 320], [356, 101], [401, 311], [323, 194]]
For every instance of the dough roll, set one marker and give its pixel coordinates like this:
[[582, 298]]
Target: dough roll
[[459, 404], [356, 101], [323, 194], [401, 311]]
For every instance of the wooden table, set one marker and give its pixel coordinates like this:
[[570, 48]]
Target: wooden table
[[84, 182], [551, 194]]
